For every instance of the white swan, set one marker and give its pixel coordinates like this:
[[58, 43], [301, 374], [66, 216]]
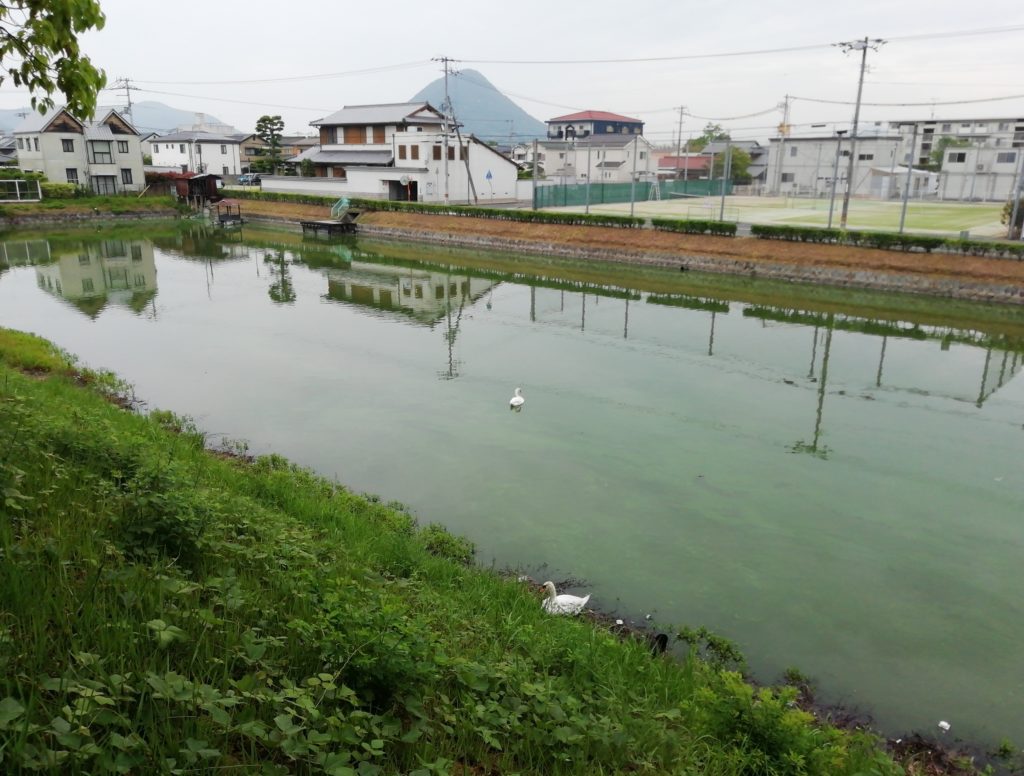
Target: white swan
[[562, 604], [517, 401]]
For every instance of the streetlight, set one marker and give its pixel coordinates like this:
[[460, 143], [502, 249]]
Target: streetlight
[[861, 46]]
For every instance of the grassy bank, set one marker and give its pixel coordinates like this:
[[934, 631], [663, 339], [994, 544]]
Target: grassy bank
[[97, 205], [165, 609]]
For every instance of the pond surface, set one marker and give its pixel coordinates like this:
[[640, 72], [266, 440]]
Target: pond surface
[[833, 479]]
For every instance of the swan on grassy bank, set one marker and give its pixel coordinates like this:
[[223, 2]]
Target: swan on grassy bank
[[562, 604]]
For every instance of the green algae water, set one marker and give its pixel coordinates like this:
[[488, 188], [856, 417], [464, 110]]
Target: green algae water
[[832, 479]]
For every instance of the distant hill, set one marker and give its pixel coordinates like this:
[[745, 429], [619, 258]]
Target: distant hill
[[147, 117], [481, 109]]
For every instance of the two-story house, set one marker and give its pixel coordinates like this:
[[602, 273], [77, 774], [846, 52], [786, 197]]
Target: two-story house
[[104, 154], [592, 122], [401, 151], [197, 151]]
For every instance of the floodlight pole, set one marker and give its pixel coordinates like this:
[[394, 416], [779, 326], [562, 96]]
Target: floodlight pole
[[862, 46], [835, 175], [910, 172]]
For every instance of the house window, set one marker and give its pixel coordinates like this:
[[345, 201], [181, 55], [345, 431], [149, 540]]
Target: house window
[[181, 148], [126, 176], [21, 143], [792, 150], [437, 153], [72, 175], [451, 153], [87, 286], [1003, 126], [414, 152], [965, 125], [68, 146], [957, 156], [35, 142], [982, 127], [122, 146], [223, 149], [224, 170], [401, 152], [947, 127], [787, 177], [140, 279], [156, 148], [136, 253], [643, 154], [101, 152], [104, 184], [609, 128], [865, 157], [83, 259], [1006, 157]]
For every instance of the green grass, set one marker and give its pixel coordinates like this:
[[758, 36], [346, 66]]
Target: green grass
[[164, 609], [929, 216], [102, 204]]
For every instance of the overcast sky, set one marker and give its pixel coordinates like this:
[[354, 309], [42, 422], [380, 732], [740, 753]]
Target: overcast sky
[[175, 52]]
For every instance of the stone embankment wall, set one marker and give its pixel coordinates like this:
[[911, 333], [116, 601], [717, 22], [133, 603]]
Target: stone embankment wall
[[833, 276]]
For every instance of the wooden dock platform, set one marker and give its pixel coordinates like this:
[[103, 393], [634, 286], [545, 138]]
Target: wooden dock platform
[[328, 228]]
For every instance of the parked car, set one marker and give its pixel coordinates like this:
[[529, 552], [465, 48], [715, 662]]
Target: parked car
[[249, 179]]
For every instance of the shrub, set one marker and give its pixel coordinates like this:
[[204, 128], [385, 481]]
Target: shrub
[[529, 216], [695, 226], [59, 190], [439, 541]]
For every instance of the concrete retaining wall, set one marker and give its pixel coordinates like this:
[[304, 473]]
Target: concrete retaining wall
[[844, 278]]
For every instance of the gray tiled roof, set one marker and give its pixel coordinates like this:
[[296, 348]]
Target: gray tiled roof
[[191, 135], [391, 113]]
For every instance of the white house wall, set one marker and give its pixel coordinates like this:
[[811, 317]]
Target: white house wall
[[54, 162], [188, 155], [807, 164]]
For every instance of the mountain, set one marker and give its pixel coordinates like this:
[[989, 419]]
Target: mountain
[[481, 109], [147, 116]]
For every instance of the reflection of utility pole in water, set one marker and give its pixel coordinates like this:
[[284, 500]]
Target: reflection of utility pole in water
[[711, 337], [452, 331], [583, 317], [625, 324], [984, 378], [881, 360], [814, 353], [562, 308], [533, 304], [821, 451]]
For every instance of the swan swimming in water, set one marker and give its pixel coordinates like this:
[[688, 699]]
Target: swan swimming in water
[[562, 604], [517, 401]]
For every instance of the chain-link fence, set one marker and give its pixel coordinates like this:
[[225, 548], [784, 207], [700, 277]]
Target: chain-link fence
[[573, 195]]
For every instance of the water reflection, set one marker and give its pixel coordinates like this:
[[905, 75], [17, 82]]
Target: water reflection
[[90, 273]]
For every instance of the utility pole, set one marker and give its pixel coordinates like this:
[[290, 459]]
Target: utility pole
[[445, 111], [126, 84], [590, 146], [534, 181], [679, 138], [906, 186], [726, 169], [835, 175], [783, 131], [632, 185], [862, 46]]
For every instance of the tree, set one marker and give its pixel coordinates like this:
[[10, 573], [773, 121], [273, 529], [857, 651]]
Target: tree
[[711, 134], [39, 50], [938, 154], [1018, 225], [738, 167], [269, 129], [306, 168]]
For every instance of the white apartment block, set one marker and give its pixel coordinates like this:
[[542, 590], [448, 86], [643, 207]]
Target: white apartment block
[[196, 151], [984, 164], [104, 155], [612, 159]]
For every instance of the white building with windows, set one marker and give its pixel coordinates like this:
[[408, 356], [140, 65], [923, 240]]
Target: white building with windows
[[982, 162], [196, 151], [104, 154], [399, 151], [805, 166], [602, 159]]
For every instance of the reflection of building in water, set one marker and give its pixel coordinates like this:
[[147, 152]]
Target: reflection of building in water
[[93, 274], [425, 296]]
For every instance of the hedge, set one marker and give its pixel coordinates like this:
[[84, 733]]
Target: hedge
[[889, 241], [694, 226], [271, 196], [531, 216], [59, 190]]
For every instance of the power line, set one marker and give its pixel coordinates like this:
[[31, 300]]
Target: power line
[[291, 78], [240, 102], [914, 104], [724, 54]]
